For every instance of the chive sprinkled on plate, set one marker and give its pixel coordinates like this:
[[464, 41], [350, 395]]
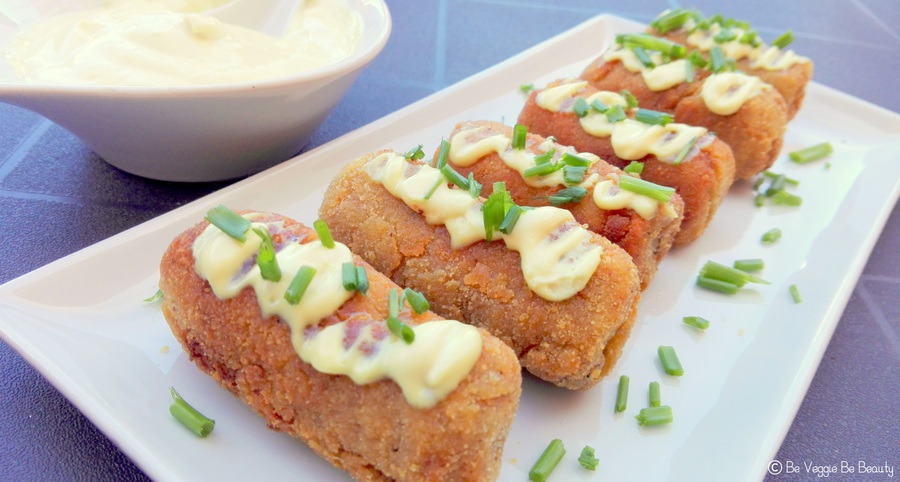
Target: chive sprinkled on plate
[[156, 297], [795, 294], [622, 394], [770, 236], [811, 153], [669, 360], [230, 222], [189, 416], [696, 321], [548, 461], [651, 416], [654, 396], [587, 458], [749, 264]]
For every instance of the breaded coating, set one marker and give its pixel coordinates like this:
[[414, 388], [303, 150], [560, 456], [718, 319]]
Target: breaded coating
[[702, 179], [647, 241], [369, 430], [790, 83], [570, 343], [755, 132]]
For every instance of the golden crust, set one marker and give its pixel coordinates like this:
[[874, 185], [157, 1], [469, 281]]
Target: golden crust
[[647, 241], [755, 132], [702, 181], [571, 343], [368, 430]]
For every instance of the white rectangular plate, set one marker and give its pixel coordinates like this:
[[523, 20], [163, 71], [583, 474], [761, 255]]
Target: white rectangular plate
[[81, 320]]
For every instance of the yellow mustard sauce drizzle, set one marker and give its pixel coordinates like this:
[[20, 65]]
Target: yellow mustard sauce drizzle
[[557, 255], [724, 93], [761, 56], [427, 370], [664, 76]]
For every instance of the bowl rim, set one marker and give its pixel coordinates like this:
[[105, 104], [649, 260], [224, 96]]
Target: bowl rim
[[380, 33]]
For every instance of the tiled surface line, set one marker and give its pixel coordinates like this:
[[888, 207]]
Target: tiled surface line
[[10, 163], [888, 328], [875, 19]]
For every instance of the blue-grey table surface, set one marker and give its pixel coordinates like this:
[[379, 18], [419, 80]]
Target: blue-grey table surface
[[57, 197]]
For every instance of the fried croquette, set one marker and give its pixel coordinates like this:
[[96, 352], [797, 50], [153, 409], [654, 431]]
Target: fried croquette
[[646, 240], [571, 343], [702, 177], [370, 430], [754, 131]]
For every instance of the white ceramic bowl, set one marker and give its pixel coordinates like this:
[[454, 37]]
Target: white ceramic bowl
[[200, 133]]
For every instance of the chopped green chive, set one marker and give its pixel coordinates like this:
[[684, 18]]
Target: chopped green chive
[[749, 264], [474, 186], [655, 416], [750, 37], [581, 107], [634, 167], [615, 114], [795, 294], [630, 99], [545, 157], [599, 106], [568, 195], [787, 180], [697, 60], [526, 88], [646, 188], [324, 233], [587, 458], [717, 59], [811, 153], [195, 421], [573, 175], [649, 42], [543, 169], [685, 151], [725, 35], [717, 285], [653, 117], [520, 133], [156, 297], [510, 220], [622, 394], [643, 57], [265, 259], [784, 39], [349, 276], [416, 301], [771, 236], [415, 153], [362, 280], [696, 321], [395, 325], [690, 72], [456, 178], [495, 209], [785, 198], [654, 394], [547, 461], [671, 20], [230, 222], [443, 154], [669, 360], [719, 271], [295, 291], [573, 160]]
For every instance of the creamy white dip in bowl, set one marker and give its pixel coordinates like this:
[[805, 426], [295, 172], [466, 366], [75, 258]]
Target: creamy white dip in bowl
[[159, 90]]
